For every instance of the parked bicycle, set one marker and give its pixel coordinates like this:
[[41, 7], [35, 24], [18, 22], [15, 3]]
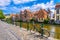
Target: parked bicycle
[[43, 32]]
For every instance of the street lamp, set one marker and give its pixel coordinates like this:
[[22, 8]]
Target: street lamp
[[42, 31]]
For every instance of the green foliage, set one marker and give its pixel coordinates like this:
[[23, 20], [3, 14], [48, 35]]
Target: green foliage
[[8, 20], [21, 21], [17, 20], [54, 23], [46, 21], [32, 20], [1, 15]]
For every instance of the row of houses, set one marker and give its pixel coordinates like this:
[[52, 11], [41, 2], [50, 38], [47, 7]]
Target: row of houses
[[27, 15], [42, 14], [39, 15]]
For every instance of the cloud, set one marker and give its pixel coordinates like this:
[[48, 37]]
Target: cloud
[[22, 1], [52, 10], [4, 2], [3, 8], [34, 7], [44, 6], [10, 10], [23, 8], [41, 5], [14, 9]]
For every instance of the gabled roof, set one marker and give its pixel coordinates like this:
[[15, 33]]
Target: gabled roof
[[57, 5], [41, 11]]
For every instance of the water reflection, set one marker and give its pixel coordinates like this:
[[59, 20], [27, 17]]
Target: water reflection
[[57, 32], [54, 30]]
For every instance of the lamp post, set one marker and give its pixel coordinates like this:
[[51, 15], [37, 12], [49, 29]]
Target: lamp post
[[21, 19], [20, 24], [42, 31]]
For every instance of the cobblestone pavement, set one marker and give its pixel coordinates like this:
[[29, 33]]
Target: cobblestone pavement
[[12, 32]]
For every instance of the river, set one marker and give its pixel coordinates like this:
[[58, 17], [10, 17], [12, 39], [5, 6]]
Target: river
[[55, 30]]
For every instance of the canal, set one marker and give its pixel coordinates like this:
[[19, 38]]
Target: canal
[[54, 29]]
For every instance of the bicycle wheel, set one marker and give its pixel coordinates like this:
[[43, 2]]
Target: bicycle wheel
[[46, 33]]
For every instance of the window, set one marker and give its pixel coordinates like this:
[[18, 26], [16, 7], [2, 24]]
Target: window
[[57, 17], [57, 11]]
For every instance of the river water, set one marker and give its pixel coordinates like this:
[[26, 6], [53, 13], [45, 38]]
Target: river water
[[55, 30]]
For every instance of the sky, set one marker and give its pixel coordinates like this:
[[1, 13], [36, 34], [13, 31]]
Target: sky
[[15, 6]]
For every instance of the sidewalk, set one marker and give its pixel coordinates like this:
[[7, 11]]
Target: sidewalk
[[34, 35], [21, 33]]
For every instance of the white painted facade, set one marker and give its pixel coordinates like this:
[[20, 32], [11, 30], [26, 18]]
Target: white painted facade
[[57, 14]]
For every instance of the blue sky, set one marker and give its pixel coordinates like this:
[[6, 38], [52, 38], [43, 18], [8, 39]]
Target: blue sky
[[15, 6]]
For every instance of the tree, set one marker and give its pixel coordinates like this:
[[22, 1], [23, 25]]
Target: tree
[[1, 15], [32, 19]]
